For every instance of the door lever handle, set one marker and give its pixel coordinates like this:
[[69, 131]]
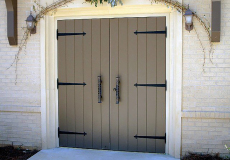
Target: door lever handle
[[117, 89], [99, 89]]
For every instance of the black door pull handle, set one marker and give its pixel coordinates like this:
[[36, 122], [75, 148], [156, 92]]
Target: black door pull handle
[[117, 89], [99, 89]]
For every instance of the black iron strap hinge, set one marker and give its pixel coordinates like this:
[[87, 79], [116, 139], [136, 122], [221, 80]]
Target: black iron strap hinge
[[166, 85], [69, 34], [153, 32], [152, 137], [69, 84], [152, 85], [65, 132]]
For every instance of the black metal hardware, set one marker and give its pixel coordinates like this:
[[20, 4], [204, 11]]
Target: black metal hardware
[[117, 89], [65, 132], [151, 137], [152, 32], [99, 89], [165, 85], [69, 84], [69, 34], [150, 85]]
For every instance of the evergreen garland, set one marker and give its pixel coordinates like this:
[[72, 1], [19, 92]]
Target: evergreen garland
[[113, 3], [41, 11]]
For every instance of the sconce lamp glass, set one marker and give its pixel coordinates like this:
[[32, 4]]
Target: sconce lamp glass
[[30, 22], [188, 20]]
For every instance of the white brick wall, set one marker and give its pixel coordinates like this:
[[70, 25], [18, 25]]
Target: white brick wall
[[205, 135], [20, 129], [206, 95], [27, 90], [17, 125], [208, 90]]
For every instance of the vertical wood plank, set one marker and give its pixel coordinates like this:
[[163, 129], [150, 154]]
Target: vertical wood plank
[[132, 76], [70, 79], [142, 80], [78, 97], [62, 89], [96, 49], [105, 82], [88, 95], [151, 79], [123, 73], [114, 115], [161, 76]]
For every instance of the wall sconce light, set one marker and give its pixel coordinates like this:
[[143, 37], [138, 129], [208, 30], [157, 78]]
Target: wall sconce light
[[188, 20], [30, 22]]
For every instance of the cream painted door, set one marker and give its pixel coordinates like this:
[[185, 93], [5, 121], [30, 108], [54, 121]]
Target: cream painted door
[[129, 117]]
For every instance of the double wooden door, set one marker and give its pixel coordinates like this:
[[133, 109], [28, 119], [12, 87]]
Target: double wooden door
[[111, 84]]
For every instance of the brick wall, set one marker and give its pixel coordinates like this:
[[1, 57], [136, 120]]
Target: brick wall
[[206, 90], [27, 90], [20, 129], [205, 135], [17, 125]]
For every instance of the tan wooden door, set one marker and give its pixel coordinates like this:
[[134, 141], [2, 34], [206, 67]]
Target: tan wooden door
[[83, 59], [110, 49]]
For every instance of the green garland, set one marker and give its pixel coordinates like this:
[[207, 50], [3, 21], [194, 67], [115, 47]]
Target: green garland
[[113, 3], [41, 11]]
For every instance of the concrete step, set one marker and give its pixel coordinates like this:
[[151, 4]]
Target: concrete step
[[89, 154]]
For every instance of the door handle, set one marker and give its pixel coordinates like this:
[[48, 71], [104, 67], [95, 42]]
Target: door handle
[[99, 81], [117, 89]]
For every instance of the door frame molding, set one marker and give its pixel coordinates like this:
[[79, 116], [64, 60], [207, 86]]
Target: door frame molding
[[48, 49]]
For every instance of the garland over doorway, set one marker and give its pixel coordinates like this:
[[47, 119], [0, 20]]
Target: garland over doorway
[[113, 3], [41, 11]]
